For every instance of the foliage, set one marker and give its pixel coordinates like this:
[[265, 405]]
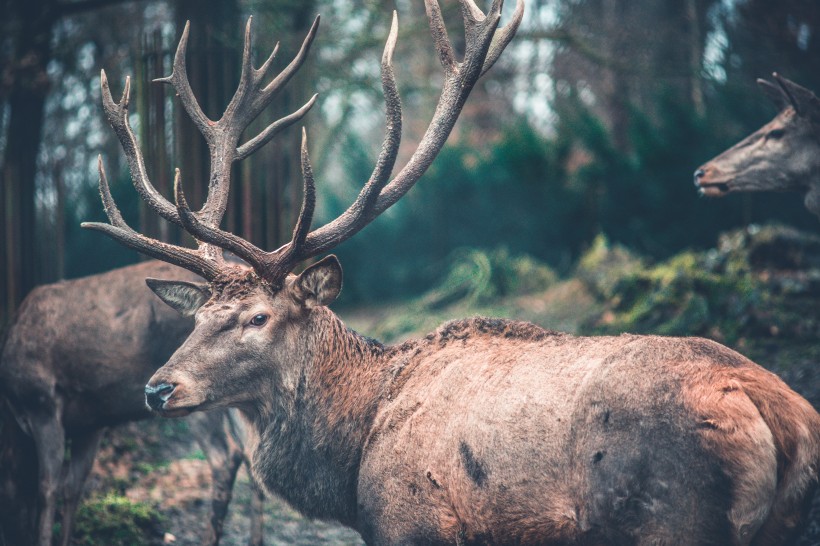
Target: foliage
[[476, 282], [114, 520], [682, 296], [603, 265], [759, 283]]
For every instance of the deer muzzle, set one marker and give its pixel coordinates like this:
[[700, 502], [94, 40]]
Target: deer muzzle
[[156, 396], [710, 182]]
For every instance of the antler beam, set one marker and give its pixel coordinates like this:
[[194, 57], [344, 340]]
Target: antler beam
[[484, 44]]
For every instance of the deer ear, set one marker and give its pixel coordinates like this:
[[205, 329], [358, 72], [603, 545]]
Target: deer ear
[[774, 93], [185, 297], [320, 283], [802, 99]]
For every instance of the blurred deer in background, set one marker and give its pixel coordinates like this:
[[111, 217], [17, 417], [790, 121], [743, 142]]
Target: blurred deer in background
[[783, 155], [484, 431], [76, 361]]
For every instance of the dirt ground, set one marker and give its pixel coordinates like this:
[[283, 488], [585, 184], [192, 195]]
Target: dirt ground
[[159, 462]]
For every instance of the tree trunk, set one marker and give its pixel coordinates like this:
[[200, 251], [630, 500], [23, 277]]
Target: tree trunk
[[695, 56], [26, 102]]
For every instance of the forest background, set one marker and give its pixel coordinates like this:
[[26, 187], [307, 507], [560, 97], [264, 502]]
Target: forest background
[[592, 123], [564, 196]]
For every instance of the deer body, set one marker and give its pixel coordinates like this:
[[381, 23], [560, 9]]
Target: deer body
[[493, 431], [76, 361]]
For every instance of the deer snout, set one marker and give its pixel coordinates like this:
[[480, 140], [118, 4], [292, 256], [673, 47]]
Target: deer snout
[[156, 396], [700, 173], [711, 181]]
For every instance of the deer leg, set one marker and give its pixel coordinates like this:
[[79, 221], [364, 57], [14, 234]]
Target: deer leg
[[257, 506], [83, 449], [49, 440], [224, 458], [237, 430]]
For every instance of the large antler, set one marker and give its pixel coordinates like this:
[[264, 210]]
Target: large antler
[[253, 94], [484, 44]]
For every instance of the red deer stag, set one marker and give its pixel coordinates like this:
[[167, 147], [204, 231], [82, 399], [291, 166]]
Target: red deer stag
[[783, 155], [484, 431], [76, 361]]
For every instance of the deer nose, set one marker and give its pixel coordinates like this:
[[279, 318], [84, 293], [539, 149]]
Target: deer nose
[[700, 173], [156, 396]]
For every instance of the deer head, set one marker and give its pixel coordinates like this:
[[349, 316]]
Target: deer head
[[780, 156], [252, 323]]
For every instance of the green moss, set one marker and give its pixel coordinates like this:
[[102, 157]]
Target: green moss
[[760, 282], [114, 520], [197, 455], [682, 296]]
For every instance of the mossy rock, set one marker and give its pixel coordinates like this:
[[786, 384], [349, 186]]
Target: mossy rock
[[759, 282], [770, 247], [115, 520], [681, 296]]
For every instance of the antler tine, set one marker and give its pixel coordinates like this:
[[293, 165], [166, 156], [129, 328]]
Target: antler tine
[[179, 80], [287, 73], [117, 115], [460, 77], [121, 232], [392, 138], [781, 81], [440, 38], [503, 36], [291, 253], [274, 129], [250, 98]]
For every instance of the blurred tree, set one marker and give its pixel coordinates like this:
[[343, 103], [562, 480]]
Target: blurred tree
[[27, 51], [764, 37], [28, 27], [625, 54]]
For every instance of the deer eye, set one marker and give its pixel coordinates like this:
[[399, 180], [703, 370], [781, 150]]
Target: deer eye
[[775, 133], [259, 320]]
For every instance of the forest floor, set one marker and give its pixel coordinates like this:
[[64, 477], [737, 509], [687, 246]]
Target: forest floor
[[758, 292], [159, 463]]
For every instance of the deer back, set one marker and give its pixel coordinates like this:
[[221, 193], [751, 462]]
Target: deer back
[[500, 432], [96, 341]]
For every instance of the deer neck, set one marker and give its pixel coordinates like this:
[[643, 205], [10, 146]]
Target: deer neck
[[310, 437]]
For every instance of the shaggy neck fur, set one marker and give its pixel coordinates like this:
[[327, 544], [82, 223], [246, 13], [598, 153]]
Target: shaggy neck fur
[[314, 425]]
